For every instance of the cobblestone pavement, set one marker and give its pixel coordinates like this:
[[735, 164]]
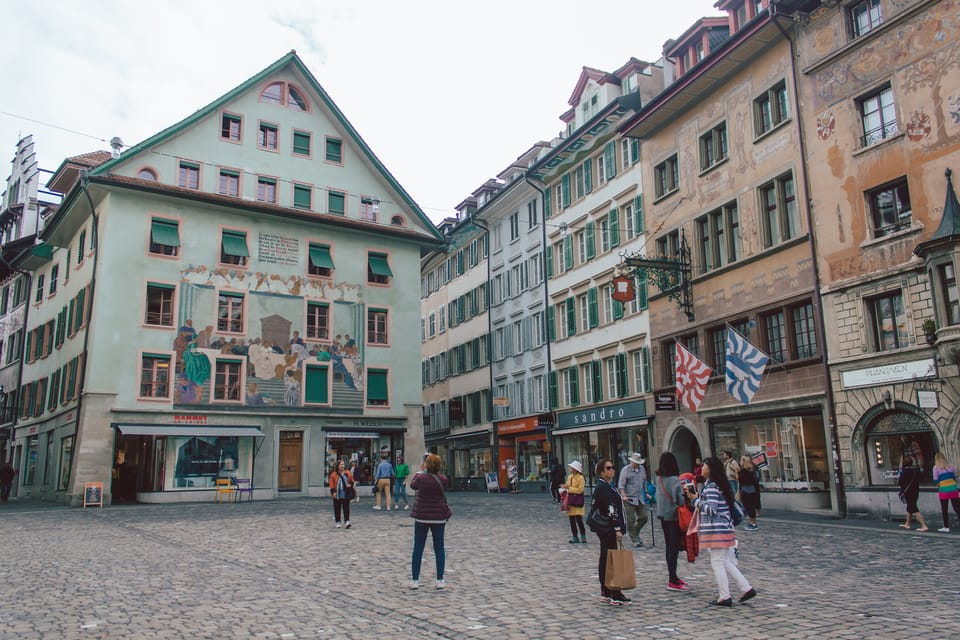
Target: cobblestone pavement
[[281, 570]]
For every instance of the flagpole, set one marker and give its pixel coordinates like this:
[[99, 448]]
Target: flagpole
[[775, 363]]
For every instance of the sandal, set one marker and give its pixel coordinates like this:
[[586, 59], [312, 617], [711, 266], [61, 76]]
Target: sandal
[[904, 526], [922, 529]]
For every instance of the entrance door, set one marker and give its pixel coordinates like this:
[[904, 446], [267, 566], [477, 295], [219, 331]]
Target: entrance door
[[291, 456], [686, 449]]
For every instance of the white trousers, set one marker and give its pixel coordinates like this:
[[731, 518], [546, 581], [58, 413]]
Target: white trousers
[[724, 562]]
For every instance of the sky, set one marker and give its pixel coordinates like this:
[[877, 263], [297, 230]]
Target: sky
[[447, 94]]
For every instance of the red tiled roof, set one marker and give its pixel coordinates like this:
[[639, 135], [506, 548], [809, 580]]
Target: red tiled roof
[[91, 159]]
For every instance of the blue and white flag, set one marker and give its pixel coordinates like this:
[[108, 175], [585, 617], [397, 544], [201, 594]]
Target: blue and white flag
[[745, 365]]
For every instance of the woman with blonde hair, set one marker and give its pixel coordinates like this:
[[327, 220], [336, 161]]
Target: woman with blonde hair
[[945, 477], [574, 486], [749, 491]]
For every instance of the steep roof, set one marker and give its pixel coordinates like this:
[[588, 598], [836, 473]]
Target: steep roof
[[949, 230]]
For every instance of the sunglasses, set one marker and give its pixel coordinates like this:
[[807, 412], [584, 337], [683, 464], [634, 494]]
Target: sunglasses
[[608, 468]]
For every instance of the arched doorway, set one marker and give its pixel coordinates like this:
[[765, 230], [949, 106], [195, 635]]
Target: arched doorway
[[686, 448]]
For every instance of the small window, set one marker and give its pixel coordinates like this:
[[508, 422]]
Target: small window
[[377, 326], [770, 109], [301, 143], [230, 312], [888, 321], [878, 116], [226, 382], [890, 208], [666, 176], [188, 175], [229, 183], [865, 17], [369, 208], [334, 151], [54, 275], [804, 332], [397, 221], [154, 376], [230, 127], [318, 321], [147, 174], [336, 202], [377, 388], [266, 190], [778, 202], [713, 146], [320, 263], [273, 93], [302, 197], [295, 100], [267, 136], [164, 237], [378, 269], [39, 296], [316, 386], [514, 225], [159, 305], [233, 248]]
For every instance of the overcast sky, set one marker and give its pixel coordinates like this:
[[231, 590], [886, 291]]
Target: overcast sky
[[446, 93]]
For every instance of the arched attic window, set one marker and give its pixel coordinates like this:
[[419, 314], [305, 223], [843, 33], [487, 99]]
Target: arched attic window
[[147, 173], [283, 93]]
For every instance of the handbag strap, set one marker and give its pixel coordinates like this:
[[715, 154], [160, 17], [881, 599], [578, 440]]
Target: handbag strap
[[439, 482], [664, 490]]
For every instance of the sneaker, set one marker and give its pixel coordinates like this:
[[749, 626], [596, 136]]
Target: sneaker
[[347, 526], [574, 540], [376, 508], [605, 598], [614, 601], [748, 595], [405, 507], [944, 529], [414, 584], [619, 598], [440, 583], [338, 525], [751, 527], [677, 586], [396, 507]]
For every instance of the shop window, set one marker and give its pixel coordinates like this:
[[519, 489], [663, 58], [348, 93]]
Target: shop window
[[200, 460], [886, 440], [887, 321]]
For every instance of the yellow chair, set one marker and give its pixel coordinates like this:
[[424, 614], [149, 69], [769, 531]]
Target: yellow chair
[[225, 489]]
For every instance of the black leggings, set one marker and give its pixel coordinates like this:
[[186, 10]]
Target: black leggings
[[672, 537], [555, 490], [607, 542], [944, 510], [577, 521]]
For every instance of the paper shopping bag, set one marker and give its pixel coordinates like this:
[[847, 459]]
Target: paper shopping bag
[[620, 572]]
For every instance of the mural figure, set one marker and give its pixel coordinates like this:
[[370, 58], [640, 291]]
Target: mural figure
[[292, 395]]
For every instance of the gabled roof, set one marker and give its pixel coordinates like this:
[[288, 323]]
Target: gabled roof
[[289, 60], [68, 172], [949, 230], [588, 74]]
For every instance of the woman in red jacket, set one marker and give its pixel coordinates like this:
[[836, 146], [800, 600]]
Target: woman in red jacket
[[342, 491], [430, 513]]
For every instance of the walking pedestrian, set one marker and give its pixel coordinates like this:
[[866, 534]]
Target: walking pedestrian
[[400, 472], [607, 501], [671, 497], [749, 493], [732, 470], [383, 479], [7, 474], [556, 479], [513, 476], [575, 485], [945, 477], [430, 514], [910, 492], [715, 503], [342, 490], [633, 489]]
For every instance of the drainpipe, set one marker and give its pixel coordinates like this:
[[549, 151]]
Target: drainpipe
[[496, 449], [821, 324]]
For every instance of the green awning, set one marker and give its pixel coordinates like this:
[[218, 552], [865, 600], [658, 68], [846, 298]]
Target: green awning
[[320, 256], [379, 266], [235, 244], [165, 233], [376, 385]]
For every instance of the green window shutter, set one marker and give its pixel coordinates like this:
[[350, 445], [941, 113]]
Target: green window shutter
[[552, 386], [234, 243], [617, 309], [301, 143], [591, 242], [551, 324], [565, 190], [568, 252], [336, 203], [548, 260], [642, 293], [592, 309], [334, 150], [377, 263], [638, 213], [634, 150], [546, 203], [164, 232], [78, 317], [622, 375], [462, 308], [26, 350], [301, 196], [571, 308], [376, 385], [588, 174], [574, 386], [596, 371], [645, 357], [315, 389], [320, 256], [614, 220], [610, 159], [70, 317]]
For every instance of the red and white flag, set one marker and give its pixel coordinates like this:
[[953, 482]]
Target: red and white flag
[[692, 375]]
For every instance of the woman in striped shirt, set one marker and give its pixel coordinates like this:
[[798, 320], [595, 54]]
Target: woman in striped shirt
[[715, 504], [945, 477]]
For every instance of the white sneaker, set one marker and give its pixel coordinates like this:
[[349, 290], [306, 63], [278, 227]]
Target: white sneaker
[[405, 507], [396, 507], [338, 525], [414, 584], [944, 529], [440, 584], [376, 508], [347, 526]]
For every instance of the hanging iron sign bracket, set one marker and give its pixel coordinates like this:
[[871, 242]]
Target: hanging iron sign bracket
[[671, 274]]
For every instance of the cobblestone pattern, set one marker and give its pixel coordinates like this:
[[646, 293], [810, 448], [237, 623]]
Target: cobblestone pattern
[[281, 570]]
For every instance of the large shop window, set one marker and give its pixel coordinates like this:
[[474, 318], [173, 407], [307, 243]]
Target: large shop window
[[198, 461], [474, 462], [887, 438], [795, 446]]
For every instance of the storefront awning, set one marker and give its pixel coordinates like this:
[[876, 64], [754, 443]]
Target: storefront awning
[[187, 431], [602, 427]]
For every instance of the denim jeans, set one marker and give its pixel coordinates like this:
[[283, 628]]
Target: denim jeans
[[420, 541], [400, 490]]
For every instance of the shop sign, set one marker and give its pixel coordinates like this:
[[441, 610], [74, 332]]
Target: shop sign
[[771, 449], [623, 289], [187, 419], [501, 401], [665, 402], [515, 426], [759, 459], [368, 423], [603, 415], [884, 374], [545, 420], [352, 434], [928, 400]]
